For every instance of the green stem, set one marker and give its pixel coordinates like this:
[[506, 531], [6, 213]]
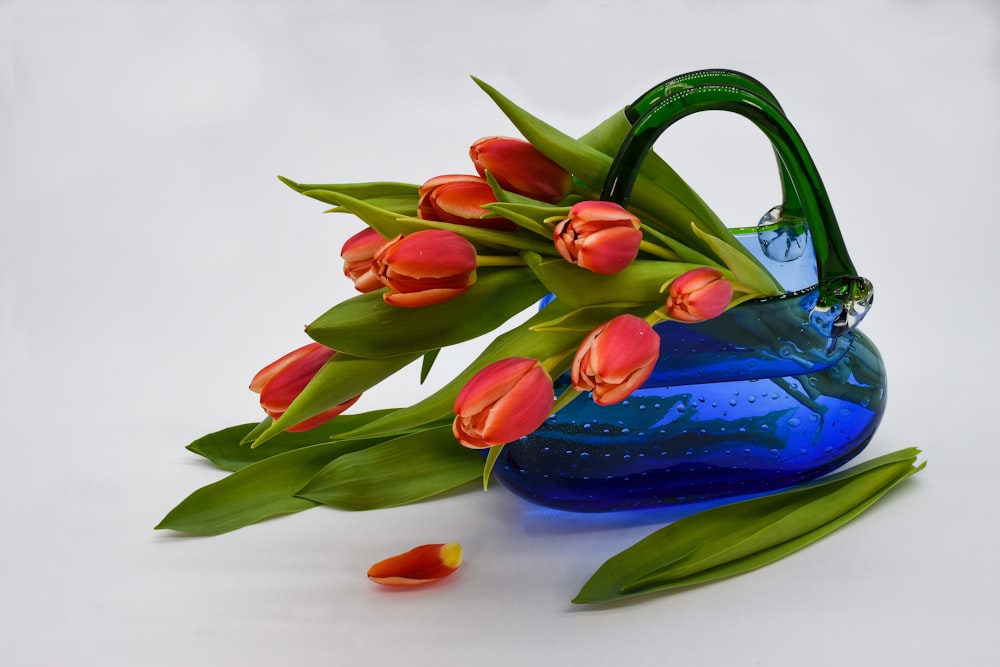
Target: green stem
[[565, 399], [659, 251], [499, 260]]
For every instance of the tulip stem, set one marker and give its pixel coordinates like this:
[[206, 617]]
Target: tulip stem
[[499, 260], [565, 399], [656, 317], [659, 251]]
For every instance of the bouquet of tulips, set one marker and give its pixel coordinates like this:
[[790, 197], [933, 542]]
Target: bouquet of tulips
[[452, 259], [459, 256]]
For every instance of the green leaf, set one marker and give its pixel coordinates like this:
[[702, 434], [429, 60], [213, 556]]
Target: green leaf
[[746, 535], [400, 471], [638, 284], [258, 491], [521, 341], [339, 380], [366, 326], [745, 271], [386, 222], [528, 217], [357, 190], [585, 320], [227, 450], [390, 224], [428, 362], [401, 205]]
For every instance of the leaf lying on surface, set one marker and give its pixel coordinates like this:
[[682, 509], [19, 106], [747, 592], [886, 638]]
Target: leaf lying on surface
[[400, 471], [228, 450], [258, 491], [746, 535]]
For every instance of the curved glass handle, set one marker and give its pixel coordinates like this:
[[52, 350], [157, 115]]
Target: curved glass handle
[[844, 297], [790, 206]]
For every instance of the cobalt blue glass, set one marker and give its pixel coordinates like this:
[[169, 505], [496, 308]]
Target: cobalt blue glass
[[772, 393]]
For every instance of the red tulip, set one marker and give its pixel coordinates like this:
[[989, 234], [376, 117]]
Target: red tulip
[[599, 236], [459, 199], [616, 358], [425, 267], [521, 168], [357, 253], [502, 402], [280, 382], [700, 294], [419, 565]]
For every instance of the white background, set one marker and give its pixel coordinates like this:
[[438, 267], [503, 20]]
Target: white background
[[151, 263]]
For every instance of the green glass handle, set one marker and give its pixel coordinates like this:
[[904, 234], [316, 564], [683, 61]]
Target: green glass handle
[[844, 297], [790, 207]]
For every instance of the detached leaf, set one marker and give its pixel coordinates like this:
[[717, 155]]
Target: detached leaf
[[258, 491], [400, 471], [743, 536]]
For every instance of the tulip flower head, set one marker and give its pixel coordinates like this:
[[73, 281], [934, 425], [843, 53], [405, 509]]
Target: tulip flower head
[[699, 294], [425, 267], [599, 236], [521, 168], [615, 359], [357, 254], [280, 382], [459, 199], [504, 401], [420, 565]]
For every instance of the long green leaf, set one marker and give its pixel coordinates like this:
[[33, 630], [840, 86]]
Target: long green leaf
[[365, 326], [743, 536], [357, 190], [400, 471], [227, 450], [639, 283], [258, 491]]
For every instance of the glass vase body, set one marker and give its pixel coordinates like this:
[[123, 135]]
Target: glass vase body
[[752, 401]]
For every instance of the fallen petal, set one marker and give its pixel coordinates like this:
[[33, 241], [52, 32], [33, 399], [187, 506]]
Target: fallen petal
[[419, 565]]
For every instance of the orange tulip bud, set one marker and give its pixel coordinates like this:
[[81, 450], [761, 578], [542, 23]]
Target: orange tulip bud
[[419, 565], [504, 401], [599, 236], [616, 358], [700, 294], [521, 168], [459, 199], [425, 267], [357, 254], [280, 382]]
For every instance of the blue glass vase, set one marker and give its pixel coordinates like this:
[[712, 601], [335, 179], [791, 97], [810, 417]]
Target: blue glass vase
[[772, 393], [722, 415]]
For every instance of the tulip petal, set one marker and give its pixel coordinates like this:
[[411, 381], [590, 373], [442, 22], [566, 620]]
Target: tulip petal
[[419, 299], [503, 402], [307, 356], [610, 250], [420, 565]]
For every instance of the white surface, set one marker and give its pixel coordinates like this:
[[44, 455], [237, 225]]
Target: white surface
[[151, 262]]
